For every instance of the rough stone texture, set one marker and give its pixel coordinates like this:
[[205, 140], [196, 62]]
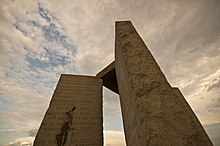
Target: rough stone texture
[[152, 113], [74, 116], [108, 76], [190, 111]]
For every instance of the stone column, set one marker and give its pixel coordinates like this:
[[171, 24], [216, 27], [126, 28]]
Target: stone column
[[74, 116], [153, 115]]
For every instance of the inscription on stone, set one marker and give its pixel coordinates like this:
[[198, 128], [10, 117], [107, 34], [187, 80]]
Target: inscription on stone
[[154, 113], [74, 116]]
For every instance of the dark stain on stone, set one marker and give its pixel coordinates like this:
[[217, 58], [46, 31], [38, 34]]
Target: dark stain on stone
[[65, 128]]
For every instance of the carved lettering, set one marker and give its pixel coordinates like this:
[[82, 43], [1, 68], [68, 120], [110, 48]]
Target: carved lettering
[[74, 115]]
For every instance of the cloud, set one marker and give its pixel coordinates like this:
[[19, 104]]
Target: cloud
[[215, 106], [41, 39], [34, 52], [215, 85], [17, 136], [112, 111], [32, 132], [207, 109], [114, 138], [213, 132], [44, 13], [26, 141], [111, 138]]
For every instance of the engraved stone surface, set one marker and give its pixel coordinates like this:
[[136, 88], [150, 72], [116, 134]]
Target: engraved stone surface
[[74, 116], [152, 113]]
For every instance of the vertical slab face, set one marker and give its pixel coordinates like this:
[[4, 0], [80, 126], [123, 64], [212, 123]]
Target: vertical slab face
[[152, 113], [190, 112], [74, 116]]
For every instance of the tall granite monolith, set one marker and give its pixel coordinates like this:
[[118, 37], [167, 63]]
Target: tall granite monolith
[[153, 115], [74, 116]]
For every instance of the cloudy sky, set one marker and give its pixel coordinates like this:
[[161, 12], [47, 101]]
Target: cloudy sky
[[41, 39]]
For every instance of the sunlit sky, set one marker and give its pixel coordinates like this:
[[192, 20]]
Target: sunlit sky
[[42, 39]]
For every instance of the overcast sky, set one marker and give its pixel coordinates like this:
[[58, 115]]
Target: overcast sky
[[41, 39]]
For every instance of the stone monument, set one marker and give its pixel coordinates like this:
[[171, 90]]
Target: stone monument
[[154, 113], [74, 116]]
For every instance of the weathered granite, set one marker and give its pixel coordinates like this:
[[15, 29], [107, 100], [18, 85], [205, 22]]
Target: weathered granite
[[74, 116], [152, 113], [190, 112]]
